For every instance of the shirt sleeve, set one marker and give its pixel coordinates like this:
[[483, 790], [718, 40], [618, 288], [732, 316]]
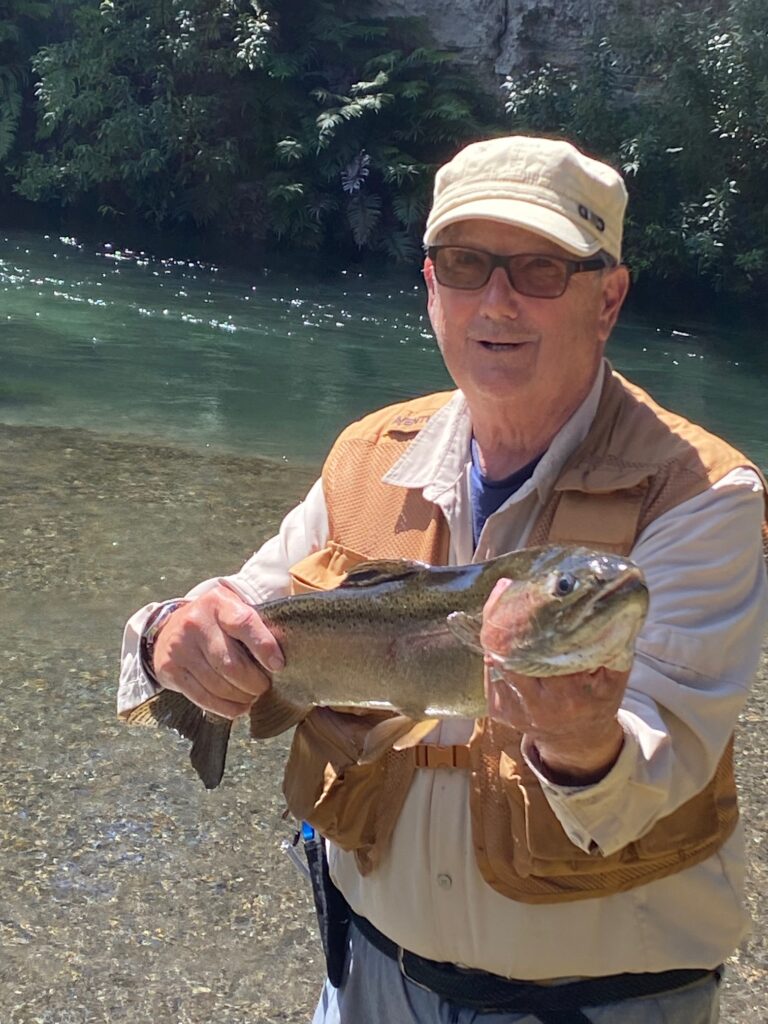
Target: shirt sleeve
[[695, 659], [264, 576]]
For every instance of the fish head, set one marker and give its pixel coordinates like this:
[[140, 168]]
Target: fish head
[[575, 610]]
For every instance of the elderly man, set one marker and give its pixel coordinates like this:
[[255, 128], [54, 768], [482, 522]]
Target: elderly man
[[576, 856]]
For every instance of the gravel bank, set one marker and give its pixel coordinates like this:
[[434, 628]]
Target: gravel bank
[[128, 892]]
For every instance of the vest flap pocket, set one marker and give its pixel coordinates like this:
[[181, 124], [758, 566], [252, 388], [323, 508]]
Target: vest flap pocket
[[548, 852], [545, 850], [604, 521], [324, 569], [694, 825], [355, 805]]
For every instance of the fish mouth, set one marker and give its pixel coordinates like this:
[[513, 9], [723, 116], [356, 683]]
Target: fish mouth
[[631, 580]]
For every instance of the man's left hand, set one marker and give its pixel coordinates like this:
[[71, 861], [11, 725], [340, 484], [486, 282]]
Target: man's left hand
[[570, 719]]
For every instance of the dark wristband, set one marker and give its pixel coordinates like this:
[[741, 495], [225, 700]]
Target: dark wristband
[[149, 636]]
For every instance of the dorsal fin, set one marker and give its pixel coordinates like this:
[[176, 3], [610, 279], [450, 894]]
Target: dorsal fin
[[368, 574]]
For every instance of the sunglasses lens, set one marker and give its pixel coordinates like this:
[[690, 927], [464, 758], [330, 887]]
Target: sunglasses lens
[[538, 276], [462, 268], [542, 277]]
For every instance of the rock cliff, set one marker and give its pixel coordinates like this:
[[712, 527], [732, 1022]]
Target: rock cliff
[[504, 36]]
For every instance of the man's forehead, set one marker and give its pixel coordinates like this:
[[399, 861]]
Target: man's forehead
[[498, 236]]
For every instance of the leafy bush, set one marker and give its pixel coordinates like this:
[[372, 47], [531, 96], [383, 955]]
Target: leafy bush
[[20, 35], [298, 120], [691, 137]]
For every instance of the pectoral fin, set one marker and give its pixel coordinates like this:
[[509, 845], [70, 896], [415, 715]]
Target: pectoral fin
[[396, 733], [466, 628], [273, 714], [209, 733], [419, 732]]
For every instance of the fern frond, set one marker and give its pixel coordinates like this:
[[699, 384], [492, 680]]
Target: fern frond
[[8, 125], [289, 150], [363, 214], [409, 209], [287, 192], [413, 90], [360, 88], [401, 247]]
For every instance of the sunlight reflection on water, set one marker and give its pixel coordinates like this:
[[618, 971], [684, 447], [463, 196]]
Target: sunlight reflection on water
[[275, 365]]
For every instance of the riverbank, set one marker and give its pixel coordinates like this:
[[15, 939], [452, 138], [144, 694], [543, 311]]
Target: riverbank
[[129, 893]]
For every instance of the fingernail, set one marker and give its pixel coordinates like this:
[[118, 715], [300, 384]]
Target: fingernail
[[275, 663]]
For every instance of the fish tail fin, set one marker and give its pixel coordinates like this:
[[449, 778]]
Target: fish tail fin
[[272, 714], [209, 733], [396, 733]]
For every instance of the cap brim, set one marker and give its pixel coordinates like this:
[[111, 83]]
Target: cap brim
[[539, 219]]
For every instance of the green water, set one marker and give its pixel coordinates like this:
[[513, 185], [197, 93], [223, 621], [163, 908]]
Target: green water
[[156, 421], [271, 364]]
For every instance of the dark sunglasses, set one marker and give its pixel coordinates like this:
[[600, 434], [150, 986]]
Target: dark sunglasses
[[534, 274]]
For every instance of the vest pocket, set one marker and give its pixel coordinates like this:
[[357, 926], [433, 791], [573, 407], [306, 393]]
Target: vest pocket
[[325, 785], [324, 569], [539, 847]]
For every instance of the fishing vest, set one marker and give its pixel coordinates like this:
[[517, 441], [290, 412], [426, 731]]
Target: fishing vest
[[637, 462]]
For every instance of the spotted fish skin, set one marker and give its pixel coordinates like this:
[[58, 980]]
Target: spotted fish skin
[[411, 639]]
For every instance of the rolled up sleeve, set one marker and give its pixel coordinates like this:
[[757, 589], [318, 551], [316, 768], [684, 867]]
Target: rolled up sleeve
[[264, 576]]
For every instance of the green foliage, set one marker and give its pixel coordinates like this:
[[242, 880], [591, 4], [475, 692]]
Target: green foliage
[[367, 117], [302, 120], [20, 34], [310, 124], [692, 138], [138, 110]]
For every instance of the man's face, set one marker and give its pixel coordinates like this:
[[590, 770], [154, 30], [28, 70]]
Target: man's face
[[530, 355]]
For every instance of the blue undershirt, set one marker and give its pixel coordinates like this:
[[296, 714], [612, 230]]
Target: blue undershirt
[[487, 496]]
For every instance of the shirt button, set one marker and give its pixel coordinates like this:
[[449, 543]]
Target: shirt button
[[444, 881]]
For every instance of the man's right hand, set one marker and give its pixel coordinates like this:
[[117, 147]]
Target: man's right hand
[[216, 650]]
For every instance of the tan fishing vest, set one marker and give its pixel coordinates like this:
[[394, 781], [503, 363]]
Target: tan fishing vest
[[637, 461]]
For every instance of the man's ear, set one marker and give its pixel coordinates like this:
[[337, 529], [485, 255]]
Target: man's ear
[[615, 285], [428, 270]]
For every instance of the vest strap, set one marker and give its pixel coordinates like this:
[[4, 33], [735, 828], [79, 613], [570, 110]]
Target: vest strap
[[431, 755]]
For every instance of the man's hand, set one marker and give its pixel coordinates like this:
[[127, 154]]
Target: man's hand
[[570, 719], [215, 650]]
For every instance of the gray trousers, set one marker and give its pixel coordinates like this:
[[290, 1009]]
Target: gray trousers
[[375, 992]]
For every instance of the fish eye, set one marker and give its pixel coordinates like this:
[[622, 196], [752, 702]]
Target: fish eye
[[563, 584]]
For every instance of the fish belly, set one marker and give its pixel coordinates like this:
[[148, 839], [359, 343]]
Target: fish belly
[[421, 672]]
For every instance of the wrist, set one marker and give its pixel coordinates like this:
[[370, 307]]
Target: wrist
[[571, 762], [152, 629]]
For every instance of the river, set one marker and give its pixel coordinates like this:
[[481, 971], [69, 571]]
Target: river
[[157, 417]]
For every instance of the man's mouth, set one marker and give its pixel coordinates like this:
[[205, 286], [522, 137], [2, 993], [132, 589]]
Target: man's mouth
[[501, 346]]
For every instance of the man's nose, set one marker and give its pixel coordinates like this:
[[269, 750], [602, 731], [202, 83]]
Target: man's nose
[[499, 299]]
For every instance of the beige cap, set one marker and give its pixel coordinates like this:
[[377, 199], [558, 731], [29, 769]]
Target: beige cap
[[544, 185]]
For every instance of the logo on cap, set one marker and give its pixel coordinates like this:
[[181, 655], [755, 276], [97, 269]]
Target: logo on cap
[[592, 217]]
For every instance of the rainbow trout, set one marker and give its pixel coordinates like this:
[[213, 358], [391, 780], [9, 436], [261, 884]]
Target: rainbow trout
[[411, 639]]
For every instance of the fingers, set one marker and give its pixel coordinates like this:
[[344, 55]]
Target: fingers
[[203, 695], [555, 705], [504, 701], [241, 622], [570, 719], [197, 654]]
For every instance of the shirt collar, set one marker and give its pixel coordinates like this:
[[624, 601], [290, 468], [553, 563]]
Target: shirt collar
[[437, 457]]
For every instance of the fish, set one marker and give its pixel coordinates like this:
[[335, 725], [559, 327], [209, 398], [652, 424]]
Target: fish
[[413, 639]]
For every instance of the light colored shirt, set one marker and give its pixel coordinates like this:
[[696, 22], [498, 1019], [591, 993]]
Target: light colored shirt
[[696, 657]]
